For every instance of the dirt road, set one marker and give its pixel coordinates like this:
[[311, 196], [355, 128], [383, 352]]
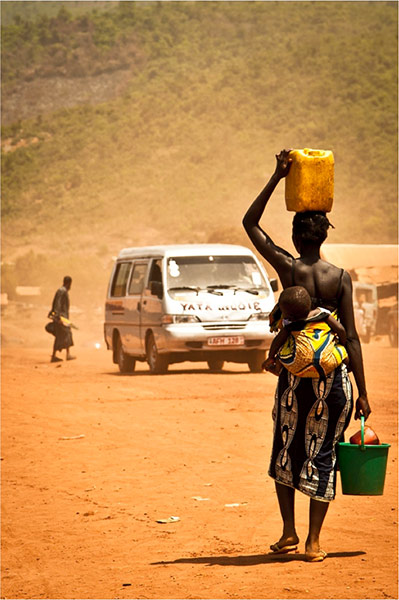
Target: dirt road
[[92, 459]]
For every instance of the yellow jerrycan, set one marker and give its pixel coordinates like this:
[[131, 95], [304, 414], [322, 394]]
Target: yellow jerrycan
[[309, 184]]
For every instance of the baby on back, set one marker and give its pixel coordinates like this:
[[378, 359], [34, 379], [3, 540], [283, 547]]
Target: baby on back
[[311, 342]]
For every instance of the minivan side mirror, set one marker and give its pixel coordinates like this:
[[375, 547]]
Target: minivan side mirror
[[274, 284], [156, 289]]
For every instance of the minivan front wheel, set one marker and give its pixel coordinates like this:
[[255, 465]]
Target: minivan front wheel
[[215, 364], [255, 361], [125, 362], [158, 364]]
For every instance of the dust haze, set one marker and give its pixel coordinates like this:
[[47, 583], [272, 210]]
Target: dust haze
[[96, 217]]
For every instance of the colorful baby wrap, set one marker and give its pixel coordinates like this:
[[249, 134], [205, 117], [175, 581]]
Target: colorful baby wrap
[[312, 349]]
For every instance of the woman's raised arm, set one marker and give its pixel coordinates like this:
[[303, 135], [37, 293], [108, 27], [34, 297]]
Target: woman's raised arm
[[280, 259]]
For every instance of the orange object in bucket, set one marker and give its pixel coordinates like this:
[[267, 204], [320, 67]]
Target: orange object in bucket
[[370, 437], [309, 184]]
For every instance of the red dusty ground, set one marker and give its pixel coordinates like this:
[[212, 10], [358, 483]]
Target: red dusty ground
[[92, 459]]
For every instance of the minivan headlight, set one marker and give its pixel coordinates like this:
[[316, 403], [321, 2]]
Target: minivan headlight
[[260, 316], [168, 319]]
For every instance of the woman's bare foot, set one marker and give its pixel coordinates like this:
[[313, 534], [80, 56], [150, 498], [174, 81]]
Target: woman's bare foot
[[318, 556], [313, 552]]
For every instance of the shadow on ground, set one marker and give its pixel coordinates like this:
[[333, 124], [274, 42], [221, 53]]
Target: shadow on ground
[[250, 560]]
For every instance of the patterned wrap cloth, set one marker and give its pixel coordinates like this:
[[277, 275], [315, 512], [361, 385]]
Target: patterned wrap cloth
[[310, 416]]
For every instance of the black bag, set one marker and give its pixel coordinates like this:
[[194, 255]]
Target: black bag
[[50, 327]]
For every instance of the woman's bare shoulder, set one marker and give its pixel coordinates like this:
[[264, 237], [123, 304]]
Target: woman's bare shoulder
[[321, 278], [323, 268], [329, 267], [328, 271]]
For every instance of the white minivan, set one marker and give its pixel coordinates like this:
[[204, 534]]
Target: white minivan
[[194, 302]]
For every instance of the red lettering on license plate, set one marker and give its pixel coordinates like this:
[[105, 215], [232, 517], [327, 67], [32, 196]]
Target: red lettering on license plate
[[232, 340]]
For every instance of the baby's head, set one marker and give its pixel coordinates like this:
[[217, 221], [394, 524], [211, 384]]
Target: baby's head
[[295, 303]]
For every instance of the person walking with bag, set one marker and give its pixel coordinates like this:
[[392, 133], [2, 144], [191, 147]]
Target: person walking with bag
[[60, 326]]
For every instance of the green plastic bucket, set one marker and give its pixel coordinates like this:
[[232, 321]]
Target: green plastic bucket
[[362, 467]]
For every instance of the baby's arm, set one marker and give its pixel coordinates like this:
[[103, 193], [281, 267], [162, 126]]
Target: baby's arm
[[337, 328], [272, 364], [277, 342]]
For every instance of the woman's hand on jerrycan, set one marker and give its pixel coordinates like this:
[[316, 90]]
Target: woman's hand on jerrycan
[[283, 164], [362, 408]]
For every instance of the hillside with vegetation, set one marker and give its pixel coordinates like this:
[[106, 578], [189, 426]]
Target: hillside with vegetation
[[157, 122]]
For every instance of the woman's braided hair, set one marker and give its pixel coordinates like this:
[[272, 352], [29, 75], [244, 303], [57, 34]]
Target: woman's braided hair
[[311, 226]]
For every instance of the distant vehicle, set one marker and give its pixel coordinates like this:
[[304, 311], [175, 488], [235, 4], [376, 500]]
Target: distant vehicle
[[376, 310], [388, 311], [366, 309], [194, 302]]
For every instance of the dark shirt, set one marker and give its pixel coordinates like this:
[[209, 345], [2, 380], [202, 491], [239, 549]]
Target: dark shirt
[[61, 303]]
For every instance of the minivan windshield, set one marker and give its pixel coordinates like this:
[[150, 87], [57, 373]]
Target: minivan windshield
[[214, 273]]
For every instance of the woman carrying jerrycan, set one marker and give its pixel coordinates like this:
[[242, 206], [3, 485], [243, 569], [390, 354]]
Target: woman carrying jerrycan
[[310, 414]]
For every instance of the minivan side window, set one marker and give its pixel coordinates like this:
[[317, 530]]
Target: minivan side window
[[156, 272], [119, 282], [137, 280]]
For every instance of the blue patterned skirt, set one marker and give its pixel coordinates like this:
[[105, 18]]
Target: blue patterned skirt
[[310, 417]]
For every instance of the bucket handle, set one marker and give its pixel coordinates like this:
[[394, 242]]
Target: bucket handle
[[362, 433]]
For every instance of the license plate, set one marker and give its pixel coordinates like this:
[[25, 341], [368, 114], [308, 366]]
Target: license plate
[[231, 340]]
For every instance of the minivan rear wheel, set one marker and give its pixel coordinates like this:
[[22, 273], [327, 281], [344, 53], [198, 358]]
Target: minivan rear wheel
[[158, 364], [255, 361], [125, 362]]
